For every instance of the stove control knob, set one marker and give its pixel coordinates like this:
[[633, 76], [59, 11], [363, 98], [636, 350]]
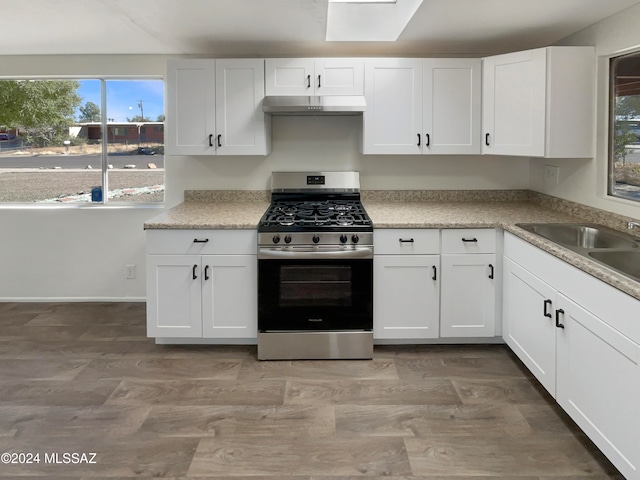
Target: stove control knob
[[276, 239], [355, 239], [315, 239], [343, 238], [287, 239]]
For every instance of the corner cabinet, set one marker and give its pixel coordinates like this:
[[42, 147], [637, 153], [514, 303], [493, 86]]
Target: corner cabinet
[[422, 106], [314, 76], [406, 284], [214, 107], [539, 103], [468, 286], [202, 284], [581, 339]]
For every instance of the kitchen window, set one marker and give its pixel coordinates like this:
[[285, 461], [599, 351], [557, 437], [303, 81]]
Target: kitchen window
[[81, 140], [624, 143]]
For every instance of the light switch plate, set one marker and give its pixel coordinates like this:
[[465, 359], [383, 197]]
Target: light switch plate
[[551, 175]]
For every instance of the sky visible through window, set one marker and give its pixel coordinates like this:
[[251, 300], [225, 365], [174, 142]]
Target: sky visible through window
[[124, 96]]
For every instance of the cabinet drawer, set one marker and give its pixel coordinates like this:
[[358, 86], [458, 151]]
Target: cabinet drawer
[[202, 242], [406, 241], [469, 240]]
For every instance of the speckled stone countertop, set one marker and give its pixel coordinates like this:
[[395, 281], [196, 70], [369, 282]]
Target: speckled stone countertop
[[418, 209]]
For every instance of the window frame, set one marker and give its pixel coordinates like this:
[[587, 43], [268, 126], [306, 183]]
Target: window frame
[[104, 154]]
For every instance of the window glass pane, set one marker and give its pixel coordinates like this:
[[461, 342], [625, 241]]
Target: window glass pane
[[43, 158], [135, 129], [624, 163]]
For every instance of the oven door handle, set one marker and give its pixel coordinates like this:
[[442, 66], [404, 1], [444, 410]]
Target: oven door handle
[[275, 253]]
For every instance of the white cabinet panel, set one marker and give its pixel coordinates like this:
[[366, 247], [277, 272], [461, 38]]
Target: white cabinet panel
[[406, 296], [469, 240], [289, 76], [229, 296], [598, 384], [406, 241], [339, 76], [468, 295], [529, 327], [190, 107], [173, 296], [392, 121], [317, 77], [452, 102]]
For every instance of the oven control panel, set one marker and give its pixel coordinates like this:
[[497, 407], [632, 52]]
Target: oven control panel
[[315, 238]]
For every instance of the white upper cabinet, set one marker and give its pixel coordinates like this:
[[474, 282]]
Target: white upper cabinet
[[422, 106], [214, 107], [452, 101], [539, 103], [392, 121], [309, 76]]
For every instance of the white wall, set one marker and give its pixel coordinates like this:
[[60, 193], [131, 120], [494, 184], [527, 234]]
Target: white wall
[[585, 181], [81, 253]]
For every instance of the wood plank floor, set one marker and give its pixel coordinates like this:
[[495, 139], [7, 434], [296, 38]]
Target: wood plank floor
[[83, 378]]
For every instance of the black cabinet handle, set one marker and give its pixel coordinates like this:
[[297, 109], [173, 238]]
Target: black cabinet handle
[[558, 313], [486, 139], [193, 272], [470, 240], [545, 312], [197, 240], [435, 273], [211, 140], [206, 272], [491, 271], [319, 85], [418, 139], [308, 81], [219, 140], [427, 139], [402, 240]]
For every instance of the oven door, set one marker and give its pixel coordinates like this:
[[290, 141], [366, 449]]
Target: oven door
[[316, 293]]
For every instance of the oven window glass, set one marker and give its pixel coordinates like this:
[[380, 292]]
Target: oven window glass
[[315, 286]]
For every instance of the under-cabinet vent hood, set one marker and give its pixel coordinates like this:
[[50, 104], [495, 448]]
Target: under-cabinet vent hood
[[327, 105]]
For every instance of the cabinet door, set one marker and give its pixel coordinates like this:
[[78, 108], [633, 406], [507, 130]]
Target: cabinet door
[[451, 116], [339, 76], [468, 299], [529, 327], [598, 384], [173, 296], [290, 76], [406, 300], [190, 107], [514, 103], [229, 296], [240, 121], [392, 121]]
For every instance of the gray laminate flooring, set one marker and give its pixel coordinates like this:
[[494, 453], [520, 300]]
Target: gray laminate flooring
[[82, 378]]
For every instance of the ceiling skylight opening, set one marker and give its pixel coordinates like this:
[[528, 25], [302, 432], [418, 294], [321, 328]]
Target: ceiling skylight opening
[[368, 20]]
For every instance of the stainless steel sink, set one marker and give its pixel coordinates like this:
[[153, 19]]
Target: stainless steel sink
[[626, 262], [608, 247], [581, 235]]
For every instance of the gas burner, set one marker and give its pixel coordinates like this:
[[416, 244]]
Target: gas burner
[[287, 209], [344, 220], [342, 208], [286, 220]]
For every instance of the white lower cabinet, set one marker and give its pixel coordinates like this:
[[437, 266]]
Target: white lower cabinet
[[202, 295], [563, 324]]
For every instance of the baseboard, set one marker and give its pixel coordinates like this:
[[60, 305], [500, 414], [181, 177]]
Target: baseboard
[[70, 299]]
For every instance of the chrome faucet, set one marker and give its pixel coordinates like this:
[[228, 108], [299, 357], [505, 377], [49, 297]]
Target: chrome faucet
[[630, 225]]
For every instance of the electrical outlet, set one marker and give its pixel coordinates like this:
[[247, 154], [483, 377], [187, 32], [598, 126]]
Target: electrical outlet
[[131, 272], [551, 175]]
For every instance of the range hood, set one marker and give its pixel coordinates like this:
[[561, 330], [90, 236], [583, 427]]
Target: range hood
[[303, 105]]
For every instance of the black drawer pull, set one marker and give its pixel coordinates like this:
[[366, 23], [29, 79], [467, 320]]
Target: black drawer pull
[[219, 140], [428, 139], [197, 240], [545, 312], [211, 140], [319, 84], [470, 240], [486, 139], [308, 81], [558, 313], [193, 272], [418, 139], [491, 271], [435, 273], [402, 240], [206, 272]]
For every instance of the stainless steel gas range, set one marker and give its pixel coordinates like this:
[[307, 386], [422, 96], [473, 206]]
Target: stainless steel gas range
[[315, 269]]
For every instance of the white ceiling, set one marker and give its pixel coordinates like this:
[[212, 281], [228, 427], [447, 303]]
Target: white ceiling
[[283, 27]]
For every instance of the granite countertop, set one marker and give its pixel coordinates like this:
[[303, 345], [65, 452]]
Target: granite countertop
[[243, 210]]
